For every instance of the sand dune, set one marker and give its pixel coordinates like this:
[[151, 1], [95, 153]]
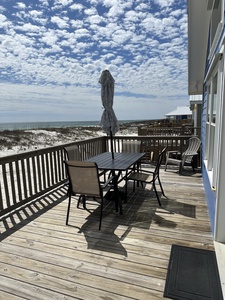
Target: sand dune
[[17, 141]]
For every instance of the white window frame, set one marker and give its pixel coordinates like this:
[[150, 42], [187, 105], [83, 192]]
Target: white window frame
[[215, 39], [211, 139]]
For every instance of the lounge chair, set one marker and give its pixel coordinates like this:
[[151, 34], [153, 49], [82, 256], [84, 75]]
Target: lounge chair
[[186, 158]]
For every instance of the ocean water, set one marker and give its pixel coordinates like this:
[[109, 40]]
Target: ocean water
[[41, 125]]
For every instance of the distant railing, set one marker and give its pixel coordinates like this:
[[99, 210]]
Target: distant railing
[[184, 130], [28, 175], [152, 145]]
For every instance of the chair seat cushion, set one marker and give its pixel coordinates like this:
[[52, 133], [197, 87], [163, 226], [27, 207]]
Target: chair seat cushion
[[140, 176], [174, 161]]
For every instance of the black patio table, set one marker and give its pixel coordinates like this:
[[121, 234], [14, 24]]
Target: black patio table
[[121, 163]]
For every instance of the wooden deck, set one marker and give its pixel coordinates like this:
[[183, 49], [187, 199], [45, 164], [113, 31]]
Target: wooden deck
[[42, 258]]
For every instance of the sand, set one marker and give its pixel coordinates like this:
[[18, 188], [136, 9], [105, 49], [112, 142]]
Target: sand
[[18, 141]]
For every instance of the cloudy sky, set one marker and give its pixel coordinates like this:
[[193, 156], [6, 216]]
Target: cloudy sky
[[52, 53]]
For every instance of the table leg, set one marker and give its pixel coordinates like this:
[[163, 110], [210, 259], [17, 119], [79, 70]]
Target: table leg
[[117, 197]]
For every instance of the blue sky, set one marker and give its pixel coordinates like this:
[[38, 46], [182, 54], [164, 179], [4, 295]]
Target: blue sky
[[52, 53]]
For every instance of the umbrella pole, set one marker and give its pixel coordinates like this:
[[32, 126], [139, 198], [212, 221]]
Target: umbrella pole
[[111, 141]]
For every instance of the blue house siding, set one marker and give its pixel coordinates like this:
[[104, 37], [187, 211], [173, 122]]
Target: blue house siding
[[210, 197], [204, 116]]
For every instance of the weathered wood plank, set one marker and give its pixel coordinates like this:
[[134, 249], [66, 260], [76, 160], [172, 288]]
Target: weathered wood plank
[[42, 258]]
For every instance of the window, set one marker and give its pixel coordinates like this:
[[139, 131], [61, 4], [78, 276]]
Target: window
[[216, 24], [212, 118], [216, 18]]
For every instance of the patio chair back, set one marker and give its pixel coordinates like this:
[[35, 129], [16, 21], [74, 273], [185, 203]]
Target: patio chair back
[[72, 152], [193, 147], [159, 163], [84, 178], [84, 181], [146, 176], [131, 146]]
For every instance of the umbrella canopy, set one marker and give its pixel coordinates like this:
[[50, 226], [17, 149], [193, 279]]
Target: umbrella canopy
[[109, 121]]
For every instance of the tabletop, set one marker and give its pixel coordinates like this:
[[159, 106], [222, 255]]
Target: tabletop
[[121, 162]]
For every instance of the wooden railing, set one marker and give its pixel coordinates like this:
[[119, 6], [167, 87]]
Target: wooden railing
[[28, 175], [152, 145]]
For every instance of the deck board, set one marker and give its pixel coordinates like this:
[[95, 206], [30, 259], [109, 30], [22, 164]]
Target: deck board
[[42, 258]]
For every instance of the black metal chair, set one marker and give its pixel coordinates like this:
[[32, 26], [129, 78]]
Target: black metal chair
[[131, 147], [146, 176], [84, 181]]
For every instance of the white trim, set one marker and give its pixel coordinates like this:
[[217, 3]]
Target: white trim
[[217, 36], [219, 233], [220, 257], [210, 173]]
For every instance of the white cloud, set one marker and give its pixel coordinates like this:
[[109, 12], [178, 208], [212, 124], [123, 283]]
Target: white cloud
[[77, 6], [21, 5], [56, 54], [29, 27], [49, 37], [165, 3], [61, 22], [2, 19], [62, 3]]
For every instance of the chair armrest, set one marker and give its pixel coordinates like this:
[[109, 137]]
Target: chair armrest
[[190, 154], [146, 171], [173, 152]]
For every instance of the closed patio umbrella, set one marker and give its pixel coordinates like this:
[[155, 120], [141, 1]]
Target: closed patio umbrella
[[109, 121]]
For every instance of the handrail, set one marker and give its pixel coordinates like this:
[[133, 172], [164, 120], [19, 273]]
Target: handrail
[[28, 175], [174, 131]]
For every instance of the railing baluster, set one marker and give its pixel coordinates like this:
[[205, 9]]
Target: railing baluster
[[43, 173], [1, 199], [4, 172], [12, 183], [29, 178], [34, 174], [47, 166], [39, 172], [55, 166], [18, 180], [24, 178]]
